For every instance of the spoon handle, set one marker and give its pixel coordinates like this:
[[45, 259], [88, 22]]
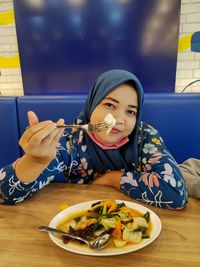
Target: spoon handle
[[54, 230]]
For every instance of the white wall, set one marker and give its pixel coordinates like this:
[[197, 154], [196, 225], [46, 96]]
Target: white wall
[[188, 63], [10, 78]]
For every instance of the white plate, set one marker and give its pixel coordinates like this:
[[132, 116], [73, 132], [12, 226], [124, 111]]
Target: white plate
[[84, 250]]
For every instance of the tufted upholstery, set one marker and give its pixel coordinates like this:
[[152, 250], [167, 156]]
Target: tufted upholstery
[[9, 149], [175, 116], [49, 107]]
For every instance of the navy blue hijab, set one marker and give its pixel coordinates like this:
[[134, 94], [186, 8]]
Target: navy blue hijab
[[125, 157]]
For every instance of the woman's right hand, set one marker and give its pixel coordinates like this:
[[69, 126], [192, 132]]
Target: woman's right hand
[[41, 139]]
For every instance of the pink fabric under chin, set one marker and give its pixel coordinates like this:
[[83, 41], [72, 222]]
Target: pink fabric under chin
[[108, 146]]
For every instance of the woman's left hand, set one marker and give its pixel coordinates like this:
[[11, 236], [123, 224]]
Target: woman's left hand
[[111, 178]]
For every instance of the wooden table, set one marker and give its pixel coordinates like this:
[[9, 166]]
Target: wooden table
[[21, 244]]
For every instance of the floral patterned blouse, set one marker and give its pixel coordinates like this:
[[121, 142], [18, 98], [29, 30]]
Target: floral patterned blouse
[[156, 180]]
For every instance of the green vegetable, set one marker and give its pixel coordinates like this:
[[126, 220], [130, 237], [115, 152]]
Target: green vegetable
[[147, 216]]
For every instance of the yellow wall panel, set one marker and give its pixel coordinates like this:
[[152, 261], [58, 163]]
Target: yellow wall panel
[[11, 62], [184, 43], [7, 17]]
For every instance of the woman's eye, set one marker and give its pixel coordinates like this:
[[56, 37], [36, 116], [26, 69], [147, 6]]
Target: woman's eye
[[109, 105], [131, 112]]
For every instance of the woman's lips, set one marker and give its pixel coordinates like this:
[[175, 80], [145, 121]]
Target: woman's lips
[[115, 130]]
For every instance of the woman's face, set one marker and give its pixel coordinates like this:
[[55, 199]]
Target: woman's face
[[122, 103]]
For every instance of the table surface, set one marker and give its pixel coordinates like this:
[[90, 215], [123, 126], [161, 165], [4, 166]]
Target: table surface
[[21, 244]]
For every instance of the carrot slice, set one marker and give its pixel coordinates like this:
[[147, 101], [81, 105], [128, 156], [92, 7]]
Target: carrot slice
[[117, 232], [111, 204]]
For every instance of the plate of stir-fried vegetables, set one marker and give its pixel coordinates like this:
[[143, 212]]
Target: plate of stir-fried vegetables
[[131, 225]]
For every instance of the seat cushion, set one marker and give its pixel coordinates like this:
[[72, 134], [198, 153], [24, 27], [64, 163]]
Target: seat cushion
[[9, 136]]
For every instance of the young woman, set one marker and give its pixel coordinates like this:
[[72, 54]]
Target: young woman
[[131, 158]]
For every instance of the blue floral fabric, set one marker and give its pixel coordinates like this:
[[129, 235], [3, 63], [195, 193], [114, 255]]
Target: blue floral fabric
[[155, 179]]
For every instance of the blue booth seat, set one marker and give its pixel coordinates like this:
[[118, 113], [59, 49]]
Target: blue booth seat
[[9, 137], [49, 108], [175, 116]]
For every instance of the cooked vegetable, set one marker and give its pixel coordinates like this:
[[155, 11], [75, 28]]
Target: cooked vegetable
[[128, 226]]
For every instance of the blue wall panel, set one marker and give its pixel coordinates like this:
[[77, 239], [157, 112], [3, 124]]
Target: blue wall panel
[[64, 45]]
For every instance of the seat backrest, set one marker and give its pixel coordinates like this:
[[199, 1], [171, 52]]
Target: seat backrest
[[49, 108], [9, 136], [177, 118]]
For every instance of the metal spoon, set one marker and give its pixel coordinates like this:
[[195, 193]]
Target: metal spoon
[[98, 243]]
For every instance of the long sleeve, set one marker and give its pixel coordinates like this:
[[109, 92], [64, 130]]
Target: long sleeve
[[190, 169], [158, 180], [13, 191]]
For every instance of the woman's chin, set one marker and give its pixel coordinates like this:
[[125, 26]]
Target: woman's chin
[[109, 139]]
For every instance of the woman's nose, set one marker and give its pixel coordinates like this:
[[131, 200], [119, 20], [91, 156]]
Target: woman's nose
[[120, 119], [120, 122]]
